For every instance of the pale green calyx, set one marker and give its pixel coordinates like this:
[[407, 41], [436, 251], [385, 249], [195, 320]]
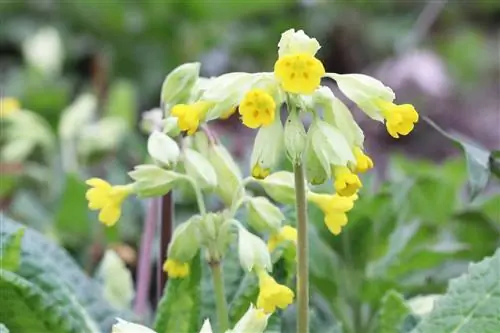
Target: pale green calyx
[[186, 240], [228, 174], [117, 282], [254, 321], [337, 114], [295, 137], [199, 168], [365, 91], [178, 84], [163, 149], [280, 186], [151, 180], [252, 251], [216, 234], [329, 146], [295, 42], [263, 215], [267, 148], [315, 173]]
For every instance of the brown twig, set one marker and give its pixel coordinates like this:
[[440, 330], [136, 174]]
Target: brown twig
[[166, 229]]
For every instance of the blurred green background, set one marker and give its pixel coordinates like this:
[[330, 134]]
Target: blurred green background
[[415, 226]]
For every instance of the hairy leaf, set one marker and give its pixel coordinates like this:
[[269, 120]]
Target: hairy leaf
[[10, 251], [392, 313]]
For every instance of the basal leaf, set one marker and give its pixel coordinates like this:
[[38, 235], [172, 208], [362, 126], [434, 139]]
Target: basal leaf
[[471, 304], [10, 249], [392, 313], [179, 307]]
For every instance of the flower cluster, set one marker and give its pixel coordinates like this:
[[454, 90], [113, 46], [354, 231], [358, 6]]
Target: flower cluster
[[331, 149]]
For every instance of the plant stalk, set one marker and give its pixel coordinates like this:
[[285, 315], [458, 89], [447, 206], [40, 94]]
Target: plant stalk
[[220, 296], [302, 250]]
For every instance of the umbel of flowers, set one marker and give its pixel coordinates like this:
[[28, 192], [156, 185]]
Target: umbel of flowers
[[331, 149]]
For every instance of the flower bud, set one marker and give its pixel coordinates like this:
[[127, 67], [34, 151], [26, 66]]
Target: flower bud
[[280, 186], [295, 137], [127, 327], [337, 114], [152, 181], [185, 241], [254, 320], [252, 251], [365, 91], [293, 42], [117, 281], [199, 168], [329, 145], [228, 174], [267, 149], [177, 86], [163, 149], [263, 215], [216, 235]]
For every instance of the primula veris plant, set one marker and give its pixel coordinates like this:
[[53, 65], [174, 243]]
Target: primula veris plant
[[330, 149]]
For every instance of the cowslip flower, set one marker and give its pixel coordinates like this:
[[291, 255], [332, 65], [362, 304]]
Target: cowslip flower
[[346, 183], [108, 199], [272, 295], [286, 233], [363, 161], [257, 108], [8, 106], [176, 269], [334, 207], [189, 116], [297, 68], [376, 100]]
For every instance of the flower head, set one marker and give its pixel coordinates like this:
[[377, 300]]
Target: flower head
[[299, 73], [176, 269], [335, 208], [108, 199], [286, 233], [189, 116], [346, 183], [8, 105], [272, 295], [363, 161], [399, 119], [257, 108]]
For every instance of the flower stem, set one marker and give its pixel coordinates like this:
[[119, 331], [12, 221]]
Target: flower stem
[[302, 250], [220, 296]]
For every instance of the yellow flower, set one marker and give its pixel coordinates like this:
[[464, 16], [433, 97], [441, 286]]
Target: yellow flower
[[399, 119], [228, 113], [346, 183], [286, 233], [102, 196], [259, 173], [8, 105], [299, 73], [363, 161], [190, 115], [257, 108], [176, 269], [272, 295], [335, 222]]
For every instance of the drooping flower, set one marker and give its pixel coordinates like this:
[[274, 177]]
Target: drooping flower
[[189, 116], [334, 207], [257, 109], [299, 73], [335, 221], [346, 182], [176, 269], [8, 106], [259, 173], [363, 161], [108, 199], [272, 295], [286, 233], [399, 119]]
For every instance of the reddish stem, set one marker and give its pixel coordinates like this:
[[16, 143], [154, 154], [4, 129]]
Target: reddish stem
[[166, 228]]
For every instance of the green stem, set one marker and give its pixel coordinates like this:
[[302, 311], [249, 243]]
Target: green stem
[[220, 296], [199, 196], [302, 250]]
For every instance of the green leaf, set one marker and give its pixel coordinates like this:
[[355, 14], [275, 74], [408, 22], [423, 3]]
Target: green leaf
[[478, 159], [122, 102], [11, 251], [179, 307], [392, 313], [247, 293], [48, 266], [27, 308], [71, 221], [471, 303]]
